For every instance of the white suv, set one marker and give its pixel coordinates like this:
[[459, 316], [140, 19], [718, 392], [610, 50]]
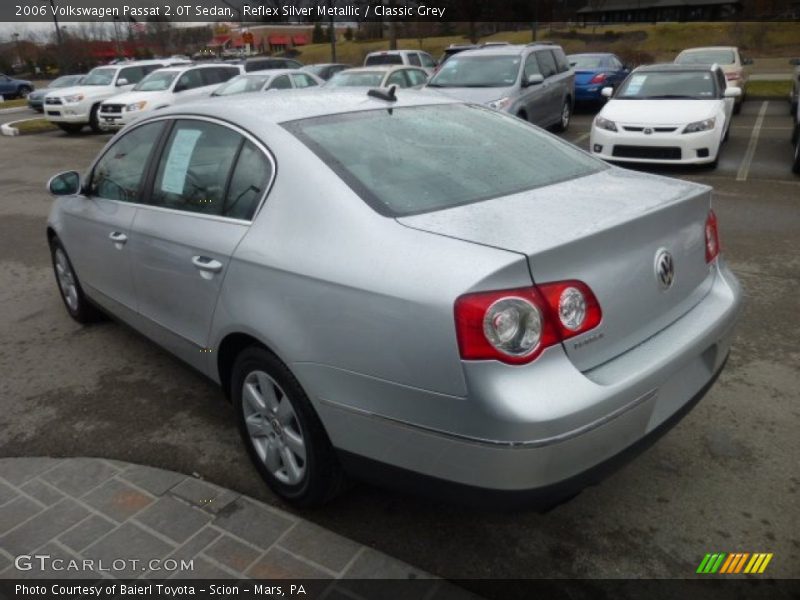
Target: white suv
[[414, 58], [162, 88], [74, 107]]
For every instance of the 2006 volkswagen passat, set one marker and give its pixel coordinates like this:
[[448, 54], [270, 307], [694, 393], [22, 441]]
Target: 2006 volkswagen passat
[[411, 288]]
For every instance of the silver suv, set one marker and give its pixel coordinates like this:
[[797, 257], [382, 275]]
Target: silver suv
[[413, 58], [533, 82]]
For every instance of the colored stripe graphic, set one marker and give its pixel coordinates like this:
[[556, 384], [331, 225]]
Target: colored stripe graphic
[[735, 562]]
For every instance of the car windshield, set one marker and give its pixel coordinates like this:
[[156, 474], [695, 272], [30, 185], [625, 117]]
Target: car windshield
[[100, 76], [356, 79], [706, 57], [585, 61], [156, 81], [419, 159], [383, 59], [242, 84], [654, 85], [478, 71], [65, 81]]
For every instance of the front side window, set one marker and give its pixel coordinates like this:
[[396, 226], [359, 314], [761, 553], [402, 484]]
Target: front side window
[[193, 169], [425, 158], [157, 81], [242, 84], [356, 79], [416, 77], [189, 80], [547, 63], [119, 174]]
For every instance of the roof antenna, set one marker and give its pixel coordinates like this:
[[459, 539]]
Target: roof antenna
[[384, 94]]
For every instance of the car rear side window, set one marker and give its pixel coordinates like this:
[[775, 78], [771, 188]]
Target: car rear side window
[[561, 60], [427, 60], [281, 83], [119, 174], [413, 59], [194, 167], [425, 158], [249, 181], [132, 74], [547, 63]]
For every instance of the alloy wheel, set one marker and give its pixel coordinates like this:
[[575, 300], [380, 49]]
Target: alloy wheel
[[66, 280], [273, 428]]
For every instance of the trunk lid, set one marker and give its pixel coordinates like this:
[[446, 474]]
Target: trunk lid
[[605, 230], [584, 77]]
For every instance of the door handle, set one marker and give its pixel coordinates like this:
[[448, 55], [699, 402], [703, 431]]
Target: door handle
[[118, 237], [209, 265]]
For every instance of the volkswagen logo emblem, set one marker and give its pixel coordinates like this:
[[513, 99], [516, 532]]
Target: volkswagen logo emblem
[[665, 269], [647, 131]]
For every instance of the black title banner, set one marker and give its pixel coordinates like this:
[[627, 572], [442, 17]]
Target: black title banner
[[288, 11]]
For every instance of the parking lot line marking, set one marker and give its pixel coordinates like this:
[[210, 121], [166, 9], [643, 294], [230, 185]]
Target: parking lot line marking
[[744, 168], [580, 138]]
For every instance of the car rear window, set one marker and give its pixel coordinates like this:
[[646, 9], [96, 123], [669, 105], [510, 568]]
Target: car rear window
[[383, 59], [419, 159]]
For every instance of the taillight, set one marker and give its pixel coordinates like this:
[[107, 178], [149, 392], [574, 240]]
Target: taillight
[[730, 76], [599, 78], [515, 326], [712, 237]]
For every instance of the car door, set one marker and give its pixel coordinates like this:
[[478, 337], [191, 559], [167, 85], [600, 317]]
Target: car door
[[205, 187], [533, 96], [96, 227], [552, 88], [727, 103]]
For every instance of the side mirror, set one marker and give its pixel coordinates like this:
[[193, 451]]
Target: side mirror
[[122, 81], [533, 80], [732, 92], [65, 184], [607, 92], [747, 61]]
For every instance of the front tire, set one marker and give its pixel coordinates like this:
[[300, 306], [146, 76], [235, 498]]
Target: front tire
[[94, 120], [75, 301], [796, 162], [281, 431]]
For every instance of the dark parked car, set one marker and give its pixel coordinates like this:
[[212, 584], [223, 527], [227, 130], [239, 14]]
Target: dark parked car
[[36, 99], [595, 71], [325, 70], [14, 88]]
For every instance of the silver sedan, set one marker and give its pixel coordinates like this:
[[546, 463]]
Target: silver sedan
[[406, 287]]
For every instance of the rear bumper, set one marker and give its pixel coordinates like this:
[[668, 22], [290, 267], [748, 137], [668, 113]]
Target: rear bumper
[[565, 428], [589, 93]]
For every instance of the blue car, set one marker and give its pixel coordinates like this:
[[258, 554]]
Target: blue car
[[14, 88], [595, 71], [36, 98]]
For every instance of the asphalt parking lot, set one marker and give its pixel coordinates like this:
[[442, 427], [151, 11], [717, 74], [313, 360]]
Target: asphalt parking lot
[[725, 479]]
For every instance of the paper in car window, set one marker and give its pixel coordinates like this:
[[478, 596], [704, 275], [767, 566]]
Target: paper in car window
[[635, 84], [180, 154]]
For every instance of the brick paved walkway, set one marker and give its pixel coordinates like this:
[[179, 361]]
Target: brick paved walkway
[[97, 509]]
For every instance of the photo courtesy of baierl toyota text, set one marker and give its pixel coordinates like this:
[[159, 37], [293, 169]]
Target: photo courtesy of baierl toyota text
[[399, 299]]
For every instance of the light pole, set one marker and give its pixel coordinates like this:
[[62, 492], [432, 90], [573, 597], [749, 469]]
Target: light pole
[[58, 35], [16, 46]]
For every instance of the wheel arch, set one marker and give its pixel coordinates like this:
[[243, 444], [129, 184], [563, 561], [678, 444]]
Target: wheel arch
[[229, 348]]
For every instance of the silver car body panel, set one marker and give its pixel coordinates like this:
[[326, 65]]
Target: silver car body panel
[[360, 306]]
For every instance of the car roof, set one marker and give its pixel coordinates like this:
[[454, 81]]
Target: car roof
[[250, 113], [374, 68], [673, 67], [703, 48], [403, 51], [592, 54], [507, 49]]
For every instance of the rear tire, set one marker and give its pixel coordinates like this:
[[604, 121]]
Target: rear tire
[[737, 107], [566, 116], [75, 301], [282, 433], [70, 128], [796, 162]]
